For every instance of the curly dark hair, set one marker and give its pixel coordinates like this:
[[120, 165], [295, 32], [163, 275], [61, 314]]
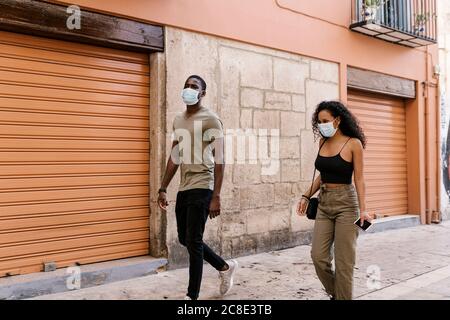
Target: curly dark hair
[[349, 124]]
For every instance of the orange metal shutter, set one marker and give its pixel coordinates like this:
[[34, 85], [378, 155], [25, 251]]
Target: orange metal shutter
[[383, 119], [74, 151]]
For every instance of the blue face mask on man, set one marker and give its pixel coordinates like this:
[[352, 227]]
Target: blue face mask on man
[[190, 96], [327, 130]]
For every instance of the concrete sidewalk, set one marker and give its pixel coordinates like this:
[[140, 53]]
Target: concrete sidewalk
[[411, 263]]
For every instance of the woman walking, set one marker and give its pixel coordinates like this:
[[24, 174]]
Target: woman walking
[[340, 157]]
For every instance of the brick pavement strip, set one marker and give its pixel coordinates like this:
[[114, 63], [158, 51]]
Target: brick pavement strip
[[410, 263]]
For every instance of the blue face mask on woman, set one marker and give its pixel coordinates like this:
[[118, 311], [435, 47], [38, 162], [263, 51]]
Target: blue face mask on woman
[[327, 129], [190, 96]]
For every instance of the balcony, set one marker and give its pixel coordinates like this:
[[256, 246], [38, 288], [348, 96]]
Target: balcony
[[409, 23]]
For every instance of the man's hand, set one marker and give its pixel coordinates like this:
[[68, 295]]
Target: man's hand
[[162, 200], [214, 207]]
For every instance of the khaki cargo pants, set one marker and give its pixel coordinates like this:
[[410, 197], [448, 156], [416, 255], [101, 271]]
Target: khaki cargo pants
[[337, 211]]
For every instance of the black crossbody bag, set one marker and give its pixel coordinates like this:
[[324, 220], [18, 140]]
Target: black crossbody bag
[[313, 203]]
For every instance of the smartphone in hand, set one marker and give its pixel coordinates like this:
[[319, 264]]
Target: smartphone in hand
[[367, 224]]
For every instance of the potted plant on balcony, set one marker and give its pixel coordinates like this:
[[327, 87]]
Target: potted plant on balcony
[[421, 20], [370, 8]]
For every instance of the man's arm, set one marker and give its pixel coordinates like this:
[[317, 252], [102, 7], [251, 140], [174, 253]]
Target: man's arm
[[219, 170], [171, 169]]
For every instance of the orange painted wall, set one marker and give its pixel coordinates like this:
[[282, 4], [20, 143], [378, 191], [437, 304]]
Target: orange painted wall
[[263, 22], [317, 29]]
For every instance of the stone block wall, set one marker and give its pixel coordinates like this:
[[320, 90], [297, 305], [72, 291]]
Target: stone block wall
[[251, 87]]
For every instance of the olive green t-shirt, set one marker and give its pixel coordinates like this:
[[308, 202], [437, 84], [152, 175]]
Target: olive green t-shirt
[[194, 151]]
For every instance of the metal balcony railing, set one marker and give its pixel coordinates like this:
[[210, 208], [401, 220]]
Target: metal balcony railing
[[411, 23]]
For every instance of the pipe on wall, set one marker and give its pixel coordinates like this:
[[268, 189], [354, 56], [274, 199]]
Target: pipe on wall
[[437, 215], [427, 158], [427, 144], [432, 204]]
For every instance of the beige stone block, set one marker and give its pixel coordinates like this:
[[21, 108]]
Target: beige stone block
[[257, 196], [277, 100], [266, 119], [255, 69], [325, 71], [171, 231], [169, 141], [241, 146], [228, 174], [309, 148], [317, 92], [279, 219], [247, 174], [298, 103], [230, 120], [228, 187], [230, 199], [271, 177], [213, 228], [290, 170], [300, 188], [229, 91], [269, 157], [233, 225], [306, 60], [170, 116], [172, 189], [283, 194], [289, 76], [157, 136], [252, 98], [290, 148], [257, 220], [300, 223], [261, 50], [246, 118], [292, 123]]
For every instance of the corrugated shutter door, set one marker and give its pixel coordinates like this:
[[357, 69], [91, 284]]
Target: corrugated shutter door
[[74, 153], [383, 119]]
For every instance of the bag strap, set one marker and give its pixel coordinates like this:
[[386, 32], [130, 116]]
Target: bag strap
[[314, 175]]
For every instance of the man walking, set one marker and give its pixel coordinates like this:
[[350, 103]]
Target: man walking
[[198, 150]]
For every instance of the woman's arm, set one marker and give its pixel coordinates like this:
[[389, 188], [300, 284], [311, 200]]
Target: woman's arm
[[303, 203], [315, 188], [358, 165], [316, 184]]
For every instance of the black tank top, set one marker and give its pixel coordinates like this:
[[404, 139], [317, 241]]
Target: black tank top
[[334, 169]]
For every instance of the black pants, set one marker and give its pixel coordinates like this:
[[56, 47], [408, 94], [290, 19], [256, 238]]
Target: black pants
[[192, 210]]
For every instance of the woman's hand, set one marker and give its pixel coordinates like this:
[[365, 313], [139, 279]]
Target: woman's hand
[[301, 207], [365, 216]]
